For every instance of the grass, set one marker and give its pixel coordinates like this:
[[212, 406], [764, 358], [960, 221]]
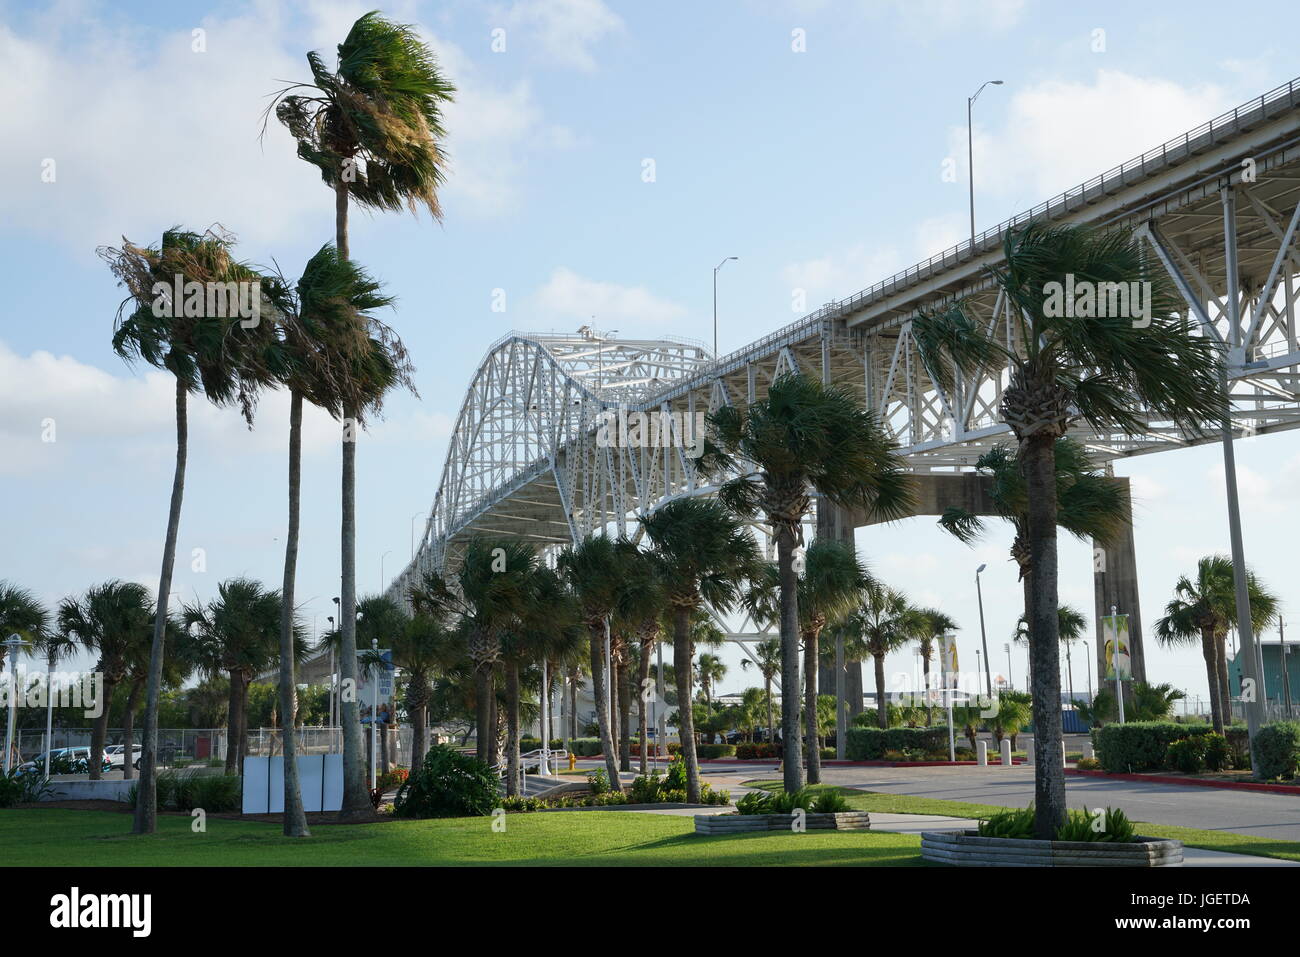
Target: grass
[[1226, 841], [58, 837]]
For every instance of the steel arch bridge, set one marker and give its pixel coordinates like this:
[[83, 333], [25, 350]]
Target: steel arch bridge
[[1218, 208]]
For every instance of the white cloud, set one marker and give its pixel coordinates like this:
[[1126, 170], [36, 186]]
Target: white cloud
[[567, 295], [563, 31], [1055, 135], [145, 132]]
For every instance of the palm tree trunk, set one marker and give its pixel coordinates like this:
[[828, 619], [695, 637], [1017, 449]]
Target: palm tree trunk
[[573, 706], [146, 802], [598, 678], [234, 739], [682, 655], [483, 712], [1221, 666], [643, 676], [1038, 454], [356, 797], [882, 706], [625, 716], [792, 759], [767, 688], [295, 819], [1210, 651], [512, 728], [418, 704], [128, 731], [810, 706], [99, 731], [925, 668]]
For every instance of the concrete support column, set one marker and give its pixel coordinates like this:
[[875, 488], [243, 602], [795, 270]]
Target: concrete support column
[[1115, 583]]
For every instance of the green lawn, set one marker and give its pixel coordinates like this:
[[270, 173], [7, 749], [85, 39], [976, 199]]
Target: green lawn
[[55, 837], [1190, 836]]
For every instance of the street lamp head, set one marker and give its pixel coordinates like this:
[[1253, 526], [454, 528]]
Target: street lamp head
[[981, 568]]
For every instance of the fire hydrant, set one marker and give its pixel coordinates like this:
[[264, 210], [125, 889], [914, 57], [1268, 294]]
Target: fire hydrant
[[573, 761]]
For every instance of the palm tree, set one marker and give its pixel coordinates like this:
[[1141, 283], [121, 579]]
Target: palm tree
[[207, 354], [805, 435], [641, 604], [1203, 610], [931, 623], [1112, 372], [490, 597], [373, 129], [333, 297], [177, 665], [114, 621], [831, 585], [709, 670], [238, 633], [884, 623], [1071, 625], [22, 614], [767, 659], [593, 571], [705, 556]]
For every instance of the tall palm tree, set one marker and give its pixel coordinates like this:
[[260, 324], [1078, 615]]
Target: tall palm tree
[[1203, 610], [931, 624], [206, 354], [238, 633], [705, 556], [805, 435], [1071, 625], [113, 621], [373, 129], [332, 297], [593, 571], [1115, 373], [767, 659]]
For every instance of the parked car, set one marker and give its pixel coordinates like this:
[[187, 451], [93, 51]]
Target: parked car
[[116, 754], [63, 761]]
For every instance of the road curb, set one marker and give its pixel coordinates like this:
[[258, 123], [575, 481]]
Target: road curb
[[1192, 782]]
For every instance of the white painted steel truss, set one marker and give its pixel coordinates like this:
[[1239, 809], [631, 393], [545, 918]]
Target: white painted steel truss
[[1218, 207]]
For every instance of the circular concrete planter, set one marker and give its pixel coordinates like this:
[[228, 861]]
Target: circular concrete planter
[[968, 849], [749, 823]]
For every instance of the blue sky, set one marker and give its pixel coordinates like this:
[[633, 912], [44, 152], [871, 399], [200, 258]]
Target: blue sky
[[822, 170]]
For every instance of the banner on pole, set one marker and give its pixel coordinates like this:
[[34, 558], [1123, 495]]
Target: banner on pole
[[948, 659], [1114, 632]]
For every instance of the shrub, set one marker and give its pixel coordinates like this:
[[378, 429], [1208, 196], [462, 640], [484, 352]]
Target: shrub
[[1110, 826], [830, 802], [20, 788], [1088, 764], [645, 789], [1187, 755], [1013, 822], [757, 750], [716, 751], [393, 778], [448, 784], [598, 781], [1140, 745], [1277, 748], [785, 802], [585, 747], [755, 802], [827, 754], [870, 744], [1218, 752]]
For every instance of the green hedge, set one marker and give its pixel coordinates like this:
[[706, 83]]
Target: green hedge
[[715, 751], [1144, 745], [1277, 748], [585, 747], [870, 744]]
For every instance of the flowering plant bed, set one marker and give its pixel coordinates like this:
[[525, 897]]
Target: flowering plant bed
[[968, 849], [813, 821]]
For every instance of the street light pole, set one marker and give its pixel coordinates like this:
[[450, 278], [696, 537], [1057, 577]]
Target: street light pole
[[12, 644], [715, 301], [984, 638], [970, 153], [1088, 659]]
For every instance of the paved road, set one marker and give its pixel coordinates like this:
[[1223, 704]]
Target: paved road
[[1274, 816]]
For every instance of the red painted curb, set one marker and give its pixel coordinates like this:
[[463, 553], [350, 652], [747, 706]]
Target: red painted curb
[[1194, 782]]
